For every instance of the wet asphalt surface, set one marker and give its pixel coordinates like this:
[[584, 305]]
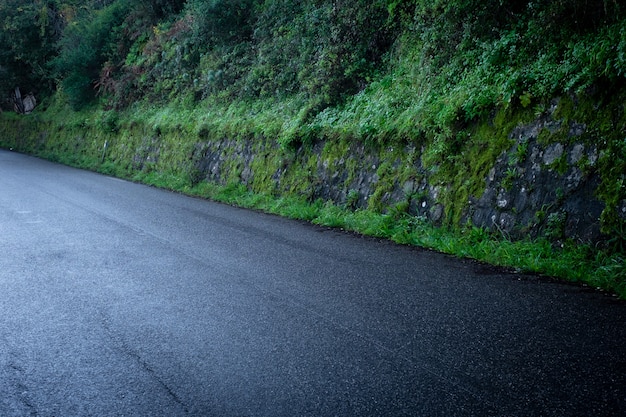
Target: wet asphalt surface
[[118, 299]]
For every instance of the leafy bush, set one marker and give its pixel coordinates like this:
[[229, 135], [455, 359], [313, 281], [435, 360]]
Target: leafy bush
[[84, 49], [28, 33], [157, 10], [326, 50], [220, 22]]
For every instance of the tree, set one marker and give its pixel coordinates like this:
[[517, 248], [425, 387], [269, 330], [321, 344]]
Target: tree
[[28, 32], [325, 49], [86, 45]]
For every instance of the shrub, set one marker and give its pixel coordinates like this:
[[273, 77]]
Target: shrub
[[85, 47]]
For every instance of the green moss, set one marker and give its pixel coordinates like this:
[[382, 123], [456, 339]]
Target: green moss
[[605, 118], [561, 165], [545, 137], [352, 199], [463, 174], [565, 110], [265, 166], [300, 175]]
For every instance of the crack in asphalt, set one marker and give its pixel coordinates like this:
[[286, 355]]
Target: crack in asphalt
[[14, 377], [123, 347]]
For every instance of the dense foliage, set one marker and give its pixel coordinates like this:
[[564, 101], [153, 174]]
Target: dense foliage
[[475, 53], [440, 62], [28, 33]]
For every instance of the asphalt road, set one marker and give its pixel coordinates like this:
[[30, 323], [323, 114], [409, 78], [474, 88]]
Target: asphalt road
[[118, 299]]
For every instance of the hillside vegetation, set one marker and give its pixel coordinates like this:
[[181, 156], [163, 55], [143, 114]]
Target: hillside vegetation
[[449, 78], [422, 67]]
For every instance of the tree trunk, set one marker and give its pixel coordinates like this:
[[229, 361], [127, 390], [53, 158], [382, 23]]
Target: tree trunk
[[23, 105]]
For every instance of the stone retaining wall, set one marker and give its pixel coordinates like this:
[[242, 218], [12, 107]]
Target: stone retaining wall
[[538, 187]]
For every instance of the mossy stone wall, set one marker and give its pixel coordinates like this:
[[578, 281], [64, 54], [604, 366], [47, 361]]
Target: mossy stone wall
[[549, 176]]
